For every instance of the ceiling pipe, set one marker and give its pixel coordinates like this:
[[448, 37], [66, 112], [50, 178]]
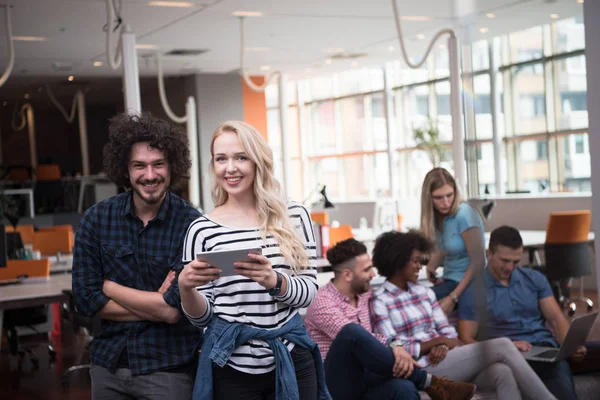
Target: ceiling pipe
[[247, 80], [192, 132], [79, 106], [114, 60], [458, 145], [28, 120], [11, 47]]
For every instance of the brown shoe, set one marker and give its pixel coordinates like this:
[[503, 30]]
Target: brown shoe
[[445, 389]]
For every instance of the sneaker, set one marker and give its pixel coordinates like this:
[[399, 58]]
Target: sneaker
[[445, 389]]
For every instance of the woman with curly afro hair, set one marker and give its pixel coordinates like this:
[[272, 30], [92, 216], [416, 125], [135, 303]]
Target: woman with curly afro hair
[[410, 313]]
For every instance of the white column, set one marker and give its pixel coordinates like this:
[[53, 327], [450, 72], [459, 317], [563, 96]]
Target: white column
[[495, 109], [131, 78], [285, 137], [388, 104], [83, 138], [591, 13], [458, 143], [192, 131]]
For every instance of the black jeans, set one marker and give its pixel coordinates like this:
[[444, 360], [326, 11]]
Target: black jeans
[[229, 383], [358, 366]]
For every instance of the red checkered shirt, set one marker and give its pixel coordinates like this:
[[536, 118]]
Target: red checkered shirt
[[331, 311], [413, 317]]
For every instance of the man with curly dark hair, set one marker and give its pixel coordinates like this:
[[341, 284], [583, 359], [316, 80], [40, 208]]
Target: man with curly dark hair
[[358, 363], [126, 257]]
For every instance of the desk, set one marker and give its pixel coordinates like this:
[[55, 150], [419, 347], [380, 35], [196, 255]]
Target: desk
[[533, 241], [33, 292]]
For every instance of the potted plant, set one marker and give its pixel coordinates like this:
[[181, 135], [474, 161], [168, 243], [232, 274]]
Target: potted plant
[[427, 137]]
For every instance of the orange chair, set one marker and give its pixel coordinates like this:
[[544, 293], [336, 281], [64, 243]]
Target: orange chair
[[53, 242], [47, 172], [567, 254], [338, 234], [31, 268], [68, 228], [26, 232], [320, 217]]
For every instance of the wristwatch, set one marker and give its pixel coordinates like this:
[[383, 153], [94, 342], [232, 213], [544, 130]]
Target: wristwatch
[[395, 343], [275, 291], [454, 298]]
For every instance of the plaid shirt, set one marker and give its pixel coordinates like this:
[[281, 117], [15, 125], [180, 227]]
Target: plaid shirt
[[331, 311], [412, 316], [112, 243]]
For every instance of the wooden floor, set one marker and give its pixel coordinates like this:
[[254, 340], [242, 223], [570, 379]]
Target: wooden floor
[[47, 382]]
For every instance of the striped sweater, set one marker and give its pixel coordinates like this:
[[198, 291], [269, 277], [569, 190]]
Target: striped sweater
[[239, 299]]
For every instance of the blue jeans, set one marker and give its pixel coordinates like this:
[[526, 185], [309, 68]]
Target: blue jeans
[[359, 366], [444, 289], [557, 377]]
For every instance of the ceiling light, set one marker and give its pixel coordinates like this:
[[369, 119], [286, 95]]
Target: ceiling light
[[146, 46], [580, 1], [332, 50], [98, 63], [70, 78], [27, 95], [490, 15], [483, 30], [420, 36], [30, 38], [554, 16], [415, 18], [257, 49], [265, 68], [172, 4], [328, 61], [247, 14], [391, 48]]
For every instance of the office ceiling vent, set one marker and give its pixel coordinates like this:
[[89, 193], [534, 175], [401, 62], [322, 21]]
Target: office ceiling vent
[[186, 52], [348, 56], [60, 66]]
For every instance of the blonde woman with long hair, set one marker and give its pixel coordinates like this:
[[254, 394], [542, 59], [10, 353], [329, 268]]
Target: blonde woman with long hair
[[456, 228], [256, 345]]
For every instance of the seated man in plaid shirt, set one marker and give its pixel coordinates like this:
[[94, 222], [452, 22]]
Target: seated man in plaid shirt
[[410, 313], [358, 363], [126, 256]]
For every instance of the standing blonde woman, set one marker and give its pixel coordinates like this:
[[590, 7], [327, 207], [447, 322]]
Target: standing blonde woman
[[456, 228], [256, 345]]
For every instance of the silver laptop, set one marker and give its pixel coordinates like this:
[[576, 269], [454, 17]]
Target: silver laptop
[[578, 332]]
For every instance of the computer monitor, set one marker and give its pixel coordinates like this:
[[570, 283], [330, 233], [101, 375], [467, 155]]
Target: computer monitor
[[14, 246]]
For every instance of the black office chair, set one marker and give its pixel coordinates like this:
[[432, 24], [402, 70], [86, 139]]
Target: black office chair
[[25, 317], [78, 321]]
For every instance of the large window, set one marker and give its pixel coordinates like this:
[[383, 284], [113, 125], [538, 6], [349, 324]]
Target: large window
[[537, 109]]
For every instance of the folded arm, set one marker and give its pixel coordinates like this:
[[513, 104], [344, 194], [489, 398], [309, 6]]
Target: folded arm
[[150, 304]]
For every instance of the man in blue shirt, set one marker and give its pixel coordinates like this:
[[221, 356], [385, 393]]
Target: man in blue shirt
[[520, 305], [126, 257]]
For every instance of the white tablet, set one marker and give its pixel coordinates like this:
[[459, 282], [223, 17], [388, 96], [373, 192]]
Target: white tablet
[[224, 259]]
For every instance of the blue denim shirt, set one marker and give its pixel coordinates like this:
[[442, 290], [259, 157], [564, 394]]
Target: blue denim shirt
[[222, 338]]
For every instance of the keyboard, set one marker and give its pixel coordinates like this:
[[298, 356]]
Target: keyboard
[[547, 354]]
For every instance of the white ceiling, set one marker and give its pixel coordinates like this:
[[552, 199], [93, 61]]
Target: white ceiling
[[294, 31]]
